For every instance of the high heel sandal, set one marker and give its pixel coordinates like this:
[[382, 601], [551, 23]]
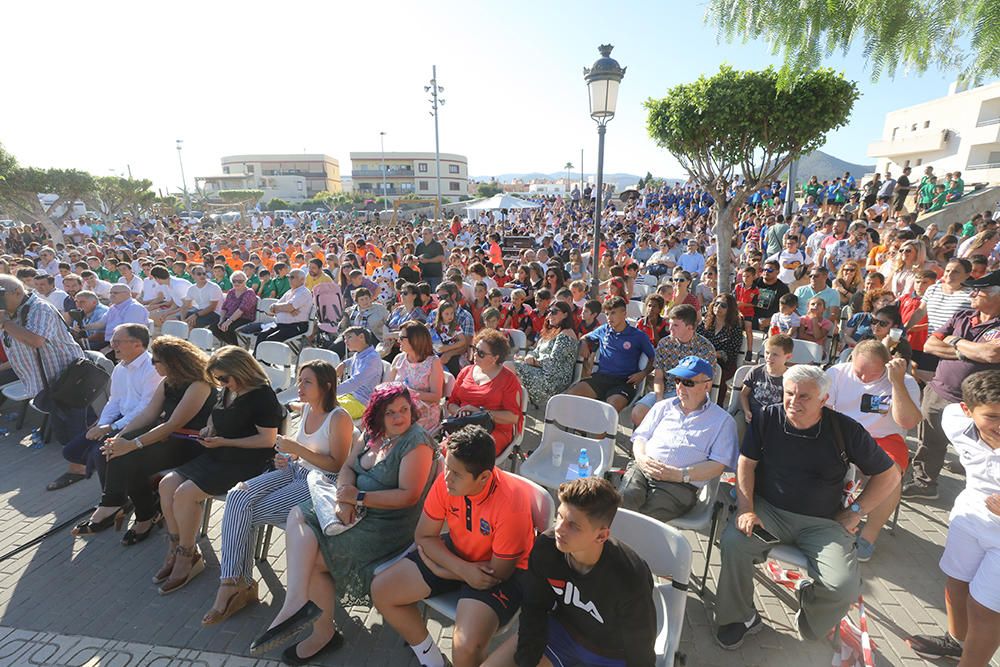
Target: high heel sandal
[[243, 596], [168, 566], [131, 537], [197, 567], [117, 518]]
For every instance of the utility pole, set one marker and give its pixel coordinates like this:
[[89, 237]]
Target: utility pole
[[385, 192], [436, 103], [187, 197]]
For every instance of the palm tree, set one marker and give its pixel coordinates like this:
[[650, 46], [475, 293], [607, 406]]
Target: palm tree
[[568, 167]]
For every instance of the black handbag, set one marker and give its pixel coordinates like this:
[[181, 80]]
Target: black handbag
[[478, 418]]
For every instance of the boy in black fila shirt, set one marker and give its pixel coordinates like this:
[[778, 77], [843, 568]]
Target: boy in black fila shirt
[[588, 598]]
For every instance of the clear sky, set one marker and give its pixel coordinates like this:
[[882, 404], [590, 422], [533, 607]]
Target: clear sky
[[99, 86]]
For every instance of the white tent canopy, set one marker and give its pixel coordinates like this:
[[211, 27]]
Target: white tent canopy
[[502, 201]]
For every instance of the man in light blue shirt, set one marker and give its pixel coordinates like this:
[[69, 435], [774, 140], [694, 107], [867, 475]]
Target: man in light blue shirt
[[817, 287], [692, 261], [681, 444], [124, 310]]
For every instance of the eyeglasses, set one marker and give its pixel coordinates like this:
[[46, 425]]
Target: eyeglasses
[[881, 323], [687, 383], [154, 360], [850, 270], [480, 352], [680, 280], [767, 271], [721, 304], [238, 281], [816, 275], [404, 338], [222, 379]]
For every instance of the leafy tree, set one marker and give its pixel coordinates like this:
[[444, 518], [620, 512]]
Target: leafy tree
[[911, 34], [736, 124], [20, 187], [488, 189], [249, 197], [276, 204], [114, 195]]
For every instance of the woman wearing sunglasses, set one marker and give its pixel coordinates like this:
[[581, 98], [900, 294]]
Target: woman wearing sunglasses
[[489, 385], [548, 369], [238, 442], [723, 327]]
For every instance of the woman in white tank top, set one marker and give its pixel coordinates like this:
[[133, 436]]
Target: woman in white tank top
[[323, 441]]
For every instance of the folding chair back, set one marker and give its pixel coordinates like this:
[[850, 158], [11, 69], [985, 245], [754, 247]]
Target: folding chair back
[[175, 328]]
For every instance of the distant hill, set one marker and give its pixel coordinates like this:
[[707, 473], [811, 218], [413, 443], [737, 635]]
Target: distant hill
[[825, 166], [819, 164]]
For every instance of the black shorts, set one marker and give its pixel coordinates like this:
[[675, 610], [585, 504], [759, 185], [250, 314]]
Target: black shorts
[[504, 598], [605, 386]]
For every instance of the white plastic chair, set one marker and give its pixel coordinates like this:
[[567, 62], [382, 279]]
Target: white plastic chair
[[642, 290], [174, 328], [716, 383], [512, 452], [640, 391], [18, 393], [705, 514], [633, 309], [668, 555], [734, 388], [519, 339], [564, 413], [277, 360], [807, 352], [203, 339], [263, 306], [542, 516], [298, 342]]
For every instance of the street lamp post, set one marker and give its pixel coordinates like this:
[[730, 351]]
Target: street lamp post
[[436, 103], [602, 80], [187, 197], [385, 191]]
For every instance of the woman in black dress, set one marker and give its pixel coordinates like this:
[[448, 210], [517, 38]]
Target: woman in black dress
[[238, 442], [147, 444]]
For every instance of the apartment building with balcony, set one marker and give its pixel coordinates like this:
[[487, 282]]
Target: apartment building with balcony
[[409, 174], [292, 177], [957, 132]]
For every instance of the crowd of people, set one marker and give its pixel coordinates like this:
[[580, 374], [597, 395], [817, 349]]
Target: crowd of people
[[907, 318]]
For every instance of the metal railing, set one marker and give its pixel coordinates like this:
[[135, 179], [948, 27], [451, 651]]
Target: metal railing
[[989, 121], [984, 165]]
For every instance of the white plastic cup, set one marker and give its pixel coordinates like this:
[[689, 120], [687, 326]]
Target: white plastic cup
[[557, 453], [895, 334]]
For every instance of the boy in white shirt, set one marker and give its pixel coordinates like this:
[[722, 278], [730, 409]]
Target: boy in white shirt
[[787, 320], [971, 557]]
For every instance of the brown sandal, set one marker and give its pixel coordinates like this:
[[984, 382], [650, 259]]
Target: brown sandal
[[168, 566], [197, 567], [244, 595]]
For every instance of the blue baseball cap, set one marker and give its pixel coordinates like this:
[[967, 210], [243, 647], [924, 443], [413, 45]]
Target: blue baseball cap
[[688, 367]]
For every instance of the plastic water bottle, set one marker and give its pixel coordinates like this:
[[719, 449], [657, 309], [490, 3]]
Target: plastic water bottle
[[583, 463]]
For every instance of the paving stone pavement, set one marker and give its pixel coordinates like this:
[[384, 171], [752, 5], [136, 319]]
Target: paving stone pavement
[[67, 601]]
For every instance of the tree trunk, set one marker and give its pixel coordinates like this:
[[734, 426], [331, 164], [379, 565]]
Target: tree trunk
[[724, 244]]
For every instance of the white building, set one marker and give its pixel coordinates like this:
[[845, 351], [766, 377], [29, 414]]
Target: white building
[[292, 177], [410, 174], [958, 132]]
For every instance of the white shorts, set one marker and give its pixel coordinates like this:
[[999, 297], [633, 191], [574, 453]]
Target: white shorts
[[972, 555]]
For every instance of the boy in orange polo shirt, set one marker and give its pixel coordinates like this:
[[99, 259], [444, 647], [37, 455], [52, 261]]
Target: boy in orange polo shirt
[[482, 556]]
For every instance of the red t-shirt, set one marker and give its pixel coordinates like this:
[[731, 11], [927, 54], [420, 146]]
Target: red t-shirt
[[917, 334], [501, 393], [746, 297], [496, 522]]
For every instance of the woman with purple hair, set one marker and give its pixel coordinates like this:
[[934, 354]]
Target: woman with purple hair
[[385, 478]]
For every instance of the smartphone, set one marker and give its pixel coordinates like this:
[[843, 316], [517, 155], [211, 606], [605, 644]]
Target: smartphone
[[874, 404], [187, 436], [764, 536]]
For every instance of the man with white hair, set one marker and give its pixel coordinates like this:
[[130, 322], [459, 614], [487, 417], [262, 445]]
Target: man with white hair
[[790, 490], [291, 313]]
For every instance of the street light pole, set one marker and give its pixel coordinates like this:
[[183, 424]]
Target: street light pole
[[602, 80], [436, 103], [187, 197], [385, 191]]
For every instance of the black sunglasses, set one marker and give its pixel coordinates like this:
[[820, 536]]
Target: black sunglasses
[[482, 353], [687, 383], [222, 379], [881, 323]]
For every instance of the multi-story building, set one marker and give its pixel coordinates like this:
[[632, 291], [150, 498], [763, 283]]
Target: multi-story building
[[410, 174], [292, 177], [958, 132]]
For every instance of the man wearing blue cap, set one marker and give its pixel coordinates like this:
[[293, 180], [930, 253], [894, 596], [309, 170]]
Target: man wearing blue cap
[[682, 443]]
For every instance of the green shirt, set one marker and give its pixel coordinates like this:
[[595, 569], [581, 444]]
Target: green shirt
[[968, 229], [940, 200], [225, 284], [926, 192], [253, 282], [281, 285]]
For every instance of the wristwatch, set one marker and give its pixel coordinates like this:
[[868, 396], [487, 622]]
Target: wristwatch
[[856, 507], [686, 475], [360, 500]]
